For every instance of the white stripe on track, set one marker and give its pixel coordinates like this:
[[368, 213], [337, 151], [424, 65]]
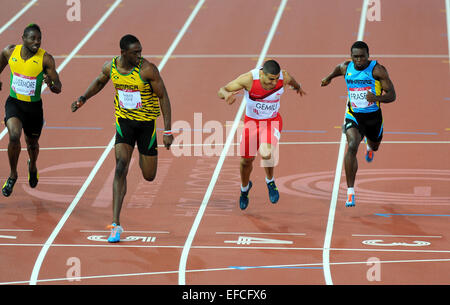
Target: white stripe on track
[[17, 16], [337, 177], [99, 163], [43, 252], [198, 218]]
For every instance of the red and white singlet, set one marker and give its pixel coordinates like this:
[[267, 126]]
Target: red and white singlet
[[263, 104]]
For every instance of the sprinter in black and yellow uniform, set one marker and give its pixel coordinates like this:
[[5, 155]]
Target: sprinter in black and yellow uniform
[[140, 94], [30, 67]]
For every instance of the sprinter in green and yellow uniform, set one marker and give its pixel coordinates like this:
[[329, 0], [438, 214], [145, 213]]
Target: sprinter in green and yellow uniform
[[30, 67], [140, 94]]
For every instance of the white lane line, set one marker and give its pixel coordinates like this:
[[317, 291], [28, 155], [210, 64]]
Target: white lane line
[[447, 10], [43, 252], [17, 16], [97, 166], [337, 177], [141, 274], [198, 217]]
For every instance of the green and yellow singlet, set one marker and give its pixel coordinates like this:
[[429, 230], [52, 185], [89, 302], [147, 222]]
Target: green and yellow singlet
[[134, 99], [26, 75]]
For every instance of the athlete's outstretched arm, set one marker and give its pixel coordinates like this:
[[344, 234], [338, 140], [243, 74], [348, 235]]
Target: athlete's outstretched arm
[[380, 73], [339, 70], [95, 87], [151, 74], [293, 83], [229, 91], [51, 76]]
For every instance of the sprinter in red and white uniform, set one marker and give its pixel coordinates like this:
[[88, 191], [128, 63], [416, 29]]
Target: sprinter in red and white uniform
[[263, 88]]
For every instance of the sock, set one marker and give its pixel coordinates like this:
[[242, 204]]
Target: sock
[[271, 180], [350, 191], [245, 189]]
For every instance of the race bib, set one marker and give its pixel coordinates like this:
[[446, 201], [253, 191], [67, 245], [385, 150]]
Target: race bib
[[24, 85], [357, 97], [130, 99]]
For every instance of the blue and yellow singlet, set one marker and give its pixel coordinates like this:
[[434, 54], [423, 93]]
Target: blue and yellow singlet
[[358, 83]]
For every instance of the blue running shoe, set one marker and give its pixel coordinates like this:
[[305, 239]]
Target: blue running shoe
[[369, 153], [350, 201], [274, 195], [243, 200], [116, 230]]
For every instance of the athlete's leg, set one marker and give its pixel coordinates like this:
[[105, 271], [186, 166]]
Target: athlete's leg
[[123, 154], [246, 168], [149, 165], [14, 126], [33, 151], [350, 160]]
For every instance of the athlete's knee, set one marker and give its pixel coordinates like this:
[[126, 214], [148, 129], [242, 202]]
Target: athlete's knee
[[14, 136], [121, 167], [33, 145], [352, 146], [246, 162], [149, 176]]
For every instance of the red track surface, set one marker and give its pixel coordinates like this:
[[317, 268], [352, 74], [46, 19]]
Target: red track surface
[[405, 178]]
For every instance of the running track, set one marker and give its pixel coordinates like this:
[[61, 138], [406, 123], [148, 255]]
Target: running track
[[186, 227]]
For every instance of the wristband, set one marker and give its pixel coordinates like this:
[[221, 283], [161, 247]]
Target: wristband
[[167, 132]]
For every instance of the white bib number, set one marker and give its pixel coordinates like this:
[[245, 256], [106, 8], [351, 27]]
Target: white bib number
[[24, 85], [357, 97], [130, 99]]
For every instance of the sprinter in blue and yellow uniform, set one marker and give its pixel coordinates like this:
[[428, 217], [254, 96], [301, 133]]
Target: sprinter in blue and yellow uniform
[[368, 85], [139, 95], [30, 67]]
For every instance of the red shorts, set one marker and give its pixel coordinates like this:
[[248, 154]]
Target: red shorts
[[256, 132]]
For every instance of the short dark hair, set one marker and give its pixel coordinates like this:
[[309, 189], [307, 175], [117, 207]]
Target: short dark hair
[[359, 45], [127, 40], [271, 67], [31, 27]]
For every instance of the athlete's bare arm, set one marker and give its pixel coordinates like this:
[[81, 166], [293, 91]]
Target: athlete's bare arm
[[229, 91], [380, 73], [4, 57], [289, 80], [51, 76], [95, 87], [150, 73], [339, 70]]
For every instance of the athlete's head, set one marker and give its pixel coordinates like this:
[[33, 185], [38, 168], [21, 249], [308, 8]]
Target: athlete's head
[[32, 37], [271, 73], [131, 49], [360, 55]]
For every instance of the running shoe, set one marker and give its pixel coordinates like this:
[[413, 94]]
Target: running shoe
[[243, 200], [274, 195], [33, 177], [116, 230], [369, 153], [350, 201], [8, 186]]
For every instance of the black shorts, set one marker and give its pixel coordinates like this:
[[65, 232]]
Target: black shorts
[[29, 113], [369, 124], [141, 132]]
